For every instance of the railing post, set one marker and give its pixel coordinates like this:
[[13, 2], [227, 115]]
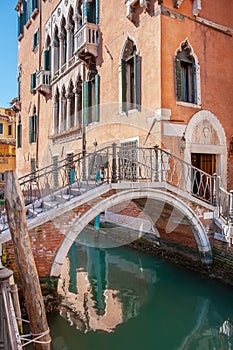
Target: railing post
[[114, 164], [156, 155], [215, 190], [9, 339], [230, 221]]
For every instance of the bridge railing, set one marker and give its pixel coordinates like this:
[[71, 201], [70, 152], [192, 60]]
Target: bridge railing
[[121, 163], [224, 204], [117, 163], [185, 176]]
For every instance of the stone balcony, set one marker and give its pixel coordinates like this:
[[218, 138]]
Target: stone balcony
[[43, 82], [87, 38]]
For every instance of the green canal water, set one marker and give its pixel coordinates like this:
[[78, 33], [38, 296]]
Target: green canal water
[[118, 298]]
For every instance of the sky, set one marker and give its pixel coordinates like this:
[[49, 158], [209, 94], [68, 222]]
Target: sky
[[8, 53]]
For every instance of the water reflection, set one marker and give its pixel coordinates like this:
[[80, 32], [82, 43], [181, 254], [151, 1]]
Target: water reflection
[[97, 291], [142, 299]]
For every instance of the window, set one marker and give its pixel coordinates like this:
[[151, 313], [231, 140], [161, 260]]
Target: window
[[130, 77], [32, 128], [33, 82], [33, 168], [91, 100], [2, 177], [19, 135], [35, 40], [128, 156], [187, 75], [1, 128], [9, 130]]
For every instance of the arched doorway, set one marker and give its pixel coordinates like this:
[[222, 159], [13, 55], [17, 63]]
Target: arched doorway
[[206, 144]]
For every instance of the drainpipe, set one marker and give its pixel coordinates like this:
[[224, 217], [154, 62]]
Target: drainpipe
[[38, 94]]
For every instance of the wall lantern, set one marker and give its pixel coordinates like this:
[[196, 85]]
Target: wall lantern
[[231, 145]]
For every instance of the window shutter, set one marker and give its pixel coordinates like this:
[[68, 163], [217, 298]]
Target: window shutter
[[30, 129], [91, 11], [137, 81], [34, 4], [194, 71], [33, 81], [178, 79], [97, 12], [97, 79], [33, 165], [19, 135], [34, 128], [123, 84], [20, 24], [24, 12], [29, 9], [47, 59], [85, 102]]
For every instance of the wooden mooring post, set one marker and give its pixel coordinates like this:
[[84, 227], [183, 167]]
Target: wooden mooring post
[[16, 215]]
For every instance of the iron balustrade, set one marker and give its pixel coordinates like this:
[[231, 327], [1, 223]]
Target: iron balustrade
[[119, 163]]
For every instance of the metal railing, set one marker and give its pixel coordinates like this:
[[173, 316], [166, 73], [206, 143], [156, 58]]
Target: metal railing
[[117, 163]]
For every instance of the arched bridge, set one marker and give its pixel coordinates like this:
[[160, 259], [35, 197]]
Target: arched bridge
[[178, 201]]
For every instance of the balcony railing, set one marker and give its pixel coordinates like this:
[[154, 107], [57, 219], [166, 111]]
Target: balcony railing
[[88, 39], [43, 82]]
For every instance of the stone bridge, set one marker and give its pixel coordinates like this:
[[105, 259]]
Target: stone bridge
[[180, 220]]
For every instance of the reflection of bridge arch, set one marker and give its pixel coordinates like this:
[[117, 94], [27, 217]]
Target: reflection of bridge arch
[[158, 196]]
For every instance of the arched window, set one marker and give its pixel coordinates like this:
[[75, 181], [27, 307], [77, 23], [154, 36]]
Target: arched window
[[64, 41], [187, 75], [71, 31], [130, 77], [47, 54], [56, 49], [33, 126]]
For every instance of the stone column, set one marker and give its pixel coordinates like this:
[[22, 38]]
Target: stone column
[[61, 125], [61, 50], [76, 19], [55, 126], [68, 110], [69, 41], [54, 58]]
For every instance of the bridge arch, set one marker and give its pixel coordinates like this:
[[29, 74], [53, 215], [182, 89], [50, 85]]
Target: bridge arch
[[186, 212]]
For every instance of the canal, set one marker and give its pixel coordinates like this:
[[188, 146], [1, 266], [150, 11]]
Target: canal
[[119, 298]]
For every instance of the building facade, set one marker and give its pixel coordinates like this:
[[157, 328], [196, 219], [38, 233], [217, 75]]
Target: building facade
[[7, 144], [134, 72]]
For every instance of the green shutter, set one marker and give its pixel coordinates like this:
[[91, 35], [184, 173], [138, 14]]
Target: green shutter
[[85, 102], [30, 129], [34, 4], [29, 9], [97, 12], [91, 11], [33, 165], [34, 128], [178, 79], [19, 135], [90, 102], [137, 80], [47, 60], [33, 81], [123, 84], [97, 79], [20, 24], [24, 14], [194, 71]]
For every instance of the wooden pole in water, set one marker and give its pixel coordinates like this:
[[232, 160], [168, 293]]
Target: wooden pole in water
[[25, 263]]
